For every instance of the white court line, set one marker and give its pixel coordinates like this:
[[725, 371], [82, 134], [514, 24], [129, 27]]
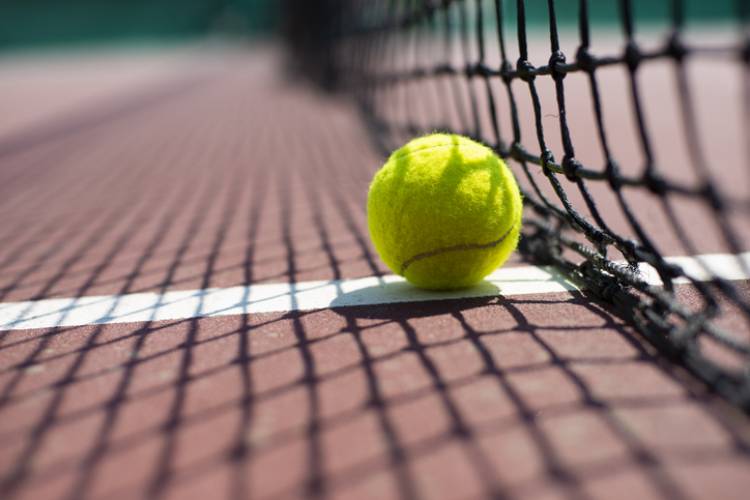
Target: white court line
[[308, 295]]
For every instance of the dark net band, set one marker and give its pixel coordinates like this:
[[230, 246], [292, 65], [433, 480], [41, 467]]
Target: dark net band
[[379, 50]]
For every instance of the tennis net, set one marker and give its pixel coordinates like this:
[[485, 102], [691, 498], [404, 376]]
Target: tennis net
[[574, 106]]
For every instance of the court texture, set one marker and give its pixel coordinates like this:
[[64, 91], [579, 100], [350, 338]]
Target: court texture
[[191, 306]]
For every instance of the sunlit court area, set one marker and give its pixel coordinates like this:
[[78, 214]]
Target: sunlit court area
[[375, 249]]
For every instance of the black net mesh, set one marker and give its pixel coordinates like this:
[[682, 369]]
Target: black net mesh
[[486, 70]]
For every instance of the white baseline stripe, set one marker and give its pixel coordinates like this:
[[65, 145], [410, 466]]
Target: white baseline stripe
[[281, 297]]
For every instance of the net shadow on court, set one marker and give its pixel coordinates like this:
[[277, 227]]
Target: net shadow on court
[[471, 389]]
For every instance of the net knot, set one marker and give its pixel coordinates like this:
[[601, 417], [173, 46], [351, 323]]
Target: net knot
[[655, 183], [632, 55], [547, 159], [477, 69], [516, 151], [676, 48], [506, 72], [585, 59], [571, 167], [600, 240], [525, 70], [613, 175], [606, 287], [629, 249], [556, 62]]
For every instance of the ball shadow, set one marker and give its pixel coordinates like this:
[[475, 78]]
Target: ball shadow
[[389, 300]]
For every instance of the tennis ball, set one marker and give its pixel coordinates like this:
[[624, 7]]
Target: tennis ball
[[444, 212]]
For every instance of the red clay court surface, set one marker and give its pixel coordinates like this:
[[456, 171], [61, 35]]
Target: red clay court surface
[[206, 168]]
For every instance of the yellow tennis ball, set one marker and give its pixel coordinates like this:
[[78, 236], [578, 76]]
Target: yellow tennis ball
[[444, 212]]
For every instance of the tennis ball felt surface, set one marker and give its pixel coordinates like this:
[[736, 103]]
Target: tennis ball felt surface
[[444, 212]]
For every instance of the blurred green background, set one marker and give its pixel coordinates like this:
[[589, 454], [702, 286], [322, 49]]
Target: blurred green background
[[607, 12], [36, 23]]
